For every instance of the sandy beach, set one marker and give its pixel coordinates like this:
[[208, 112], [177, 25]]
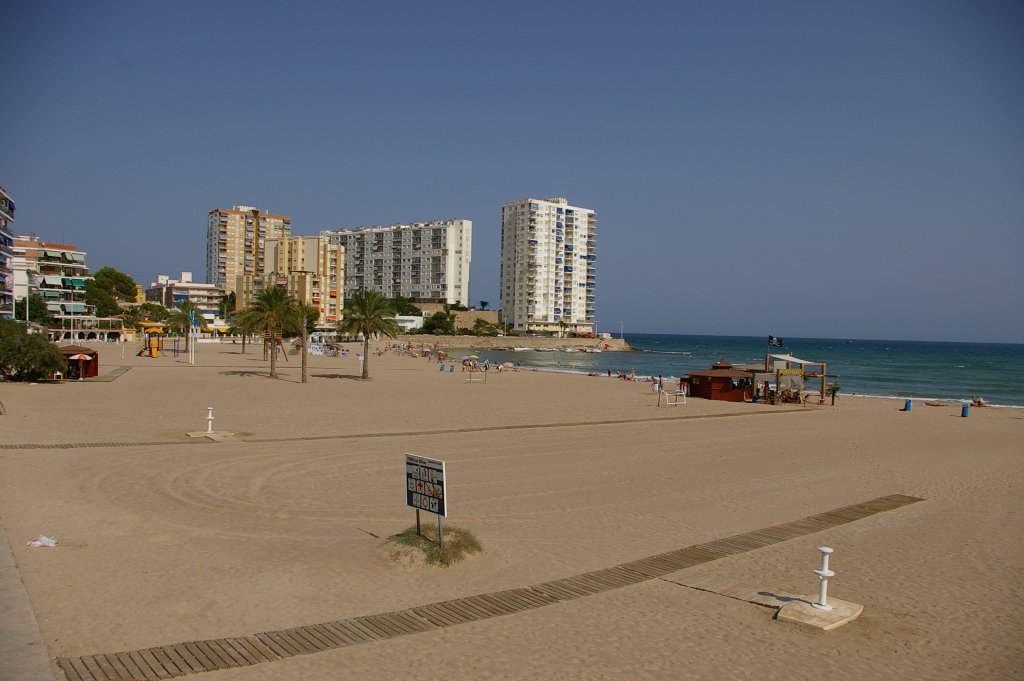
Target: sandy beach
[[165, 538]]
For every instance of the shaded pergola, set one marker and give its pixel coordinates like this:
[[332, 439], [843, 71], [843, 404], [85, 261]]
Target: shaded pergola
[[790, 373]]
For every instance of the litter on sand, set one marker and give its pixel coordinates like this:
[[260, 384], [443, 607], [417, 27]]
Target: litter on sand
[[41, 541]]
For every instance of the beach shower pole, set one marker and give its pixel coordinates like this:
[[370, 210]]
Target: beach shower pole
[[209, 419], [823, 574]]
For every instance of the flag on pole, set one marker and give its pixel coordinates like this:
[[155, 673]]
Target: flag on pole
[[775, 342]]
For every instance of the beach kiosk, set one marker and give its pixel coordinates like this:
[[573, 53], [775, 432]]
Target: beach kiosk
[[721, 382], [83, 362]]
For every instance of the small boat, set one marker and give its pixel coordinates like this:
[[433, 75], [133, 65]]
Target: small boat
[[520, 349], [544, 349]]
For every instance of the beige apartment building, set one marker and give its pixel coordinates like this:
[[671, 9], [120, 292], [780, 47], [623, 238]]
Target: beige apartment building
[[311, 269], [235, 245]]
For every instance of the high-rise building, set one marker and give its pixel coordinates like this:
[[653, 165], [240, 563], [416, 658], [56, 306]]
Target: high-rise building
[[312, 270], [422, 260], [6, 255], [548, 268], [235, 241]]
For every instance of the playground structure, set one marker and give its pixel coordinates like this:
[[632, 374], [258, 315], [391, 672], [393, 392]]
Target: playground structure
[[152, 335]]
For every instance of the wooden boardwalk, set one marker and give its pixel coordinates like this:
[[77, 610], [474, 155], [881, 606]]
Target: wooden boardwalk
[[180, 659]]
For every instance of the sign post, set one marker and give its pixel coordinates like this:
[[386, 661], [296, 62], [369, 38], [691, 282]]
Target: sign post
[[425, 490]]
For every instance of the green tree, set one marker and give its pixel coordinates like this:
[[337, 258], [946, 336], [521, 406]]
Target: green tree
[[273, 310], [37, 310], [245, 324], [181, 316], [482, 327], [484, 304], [27, 356], [405, 307], [439, 323], [306, 316], [370, 314], [227, 305], [106, 288]]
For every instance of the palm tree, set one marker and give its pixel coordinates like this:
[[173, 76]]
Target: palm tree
[[272, 310], [370, 314], [306, 316], [181, 318], [245, 324]]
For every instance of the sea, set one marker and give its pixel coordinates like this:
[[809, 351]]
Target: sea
[[878, 368]]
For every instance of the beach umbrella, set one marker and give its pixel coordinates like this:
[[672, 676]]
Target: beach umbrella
[[474, 357], [81, 358]]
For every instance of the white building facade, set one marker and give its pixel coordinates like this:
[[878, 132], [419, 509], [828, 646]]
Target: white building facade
[[548, 266], [427, 261], [169, 292]]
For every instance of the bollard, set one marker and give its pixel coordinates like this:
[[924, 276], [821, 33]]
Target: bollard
[[907, 405], [823, 574], [209, 419], [965, 409]]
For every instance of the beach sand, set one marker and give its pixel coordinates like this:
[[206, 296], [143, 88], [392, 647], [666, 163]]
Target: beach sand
[[166, 538]]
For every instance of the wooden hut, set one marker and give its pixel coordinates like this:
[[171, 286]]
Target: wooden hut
[[78, 366], [721, 382]]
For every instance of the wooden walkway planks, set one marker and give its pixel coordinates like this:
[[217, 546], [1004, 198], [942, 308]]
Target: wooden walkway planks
[[192, 657]]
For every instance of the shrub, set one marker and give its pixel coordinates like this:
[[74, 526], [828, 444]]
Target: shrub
[[414, 548], [27, 356]]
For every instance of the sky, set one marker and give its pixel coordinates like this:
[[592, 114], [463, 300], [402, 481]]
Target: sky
[[802, 169]]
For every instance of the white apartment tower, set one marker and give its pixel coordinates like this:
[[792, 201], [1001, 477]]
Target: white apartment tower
[[235, 240], [426, 261], [548, 266]]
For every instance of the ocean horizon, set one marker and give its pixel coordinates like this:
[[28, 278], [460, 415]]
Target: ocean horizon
[[897, 369]]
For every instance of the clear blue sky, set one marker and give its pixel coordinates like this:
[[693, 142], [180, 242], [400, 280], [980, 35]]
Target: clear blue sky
[[808, 168]]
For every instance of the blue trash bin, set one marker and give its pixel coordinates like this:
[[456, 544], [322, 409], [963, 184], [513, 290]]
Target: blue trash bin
[[965, 409]]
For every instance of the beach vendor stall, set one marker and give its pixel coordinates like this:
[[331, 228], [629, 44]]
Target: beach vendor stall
[[83, 362], [721, 382]]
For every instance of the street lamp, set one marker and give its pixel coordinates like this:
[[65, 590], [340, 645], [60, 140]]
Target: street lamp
[[620, 331]]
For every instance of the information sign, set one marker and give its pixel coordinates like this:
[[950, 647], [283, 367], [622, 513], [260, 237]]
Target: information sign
[[424, 484]]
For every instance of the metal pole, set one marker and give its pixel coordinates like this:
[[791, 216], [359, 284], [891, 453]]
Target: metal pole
[[209, 419], [440, 531], [419, 533]]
